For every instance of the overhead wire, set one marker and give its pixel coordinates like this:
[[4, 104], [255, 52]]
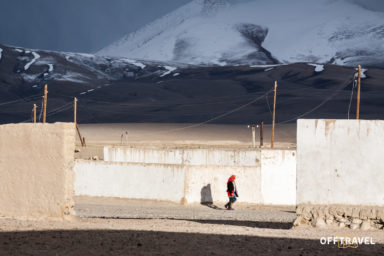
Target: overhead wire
[[19, 100], [217, 117], [317, 106], [350, 99]]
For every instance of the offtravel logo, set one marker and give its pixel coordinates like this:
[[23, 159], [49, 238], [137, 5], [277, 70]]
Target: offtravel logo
[[347, 241]]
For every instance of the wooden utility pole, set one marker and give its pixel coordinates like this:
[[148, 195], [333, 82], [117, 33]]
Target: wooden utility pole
[[78, 132], [262, 133], [45, 104], [75, 110], [358, 92], [34, 113], [274, 116], [82, 139]]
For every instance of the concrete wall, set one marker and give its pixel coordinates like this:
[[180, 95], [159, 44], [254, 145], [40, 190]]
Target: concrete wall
[[340, 162], [127, 180], [278, 177], [36, 169], [195, 175], [198, 156]]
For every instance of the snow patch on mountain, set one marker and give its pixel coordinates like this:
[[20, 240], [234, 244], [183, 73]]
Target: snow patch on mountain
[[136, 63], [169, 70], [35, 57], [318, 67], [362, 74], [259, 32]]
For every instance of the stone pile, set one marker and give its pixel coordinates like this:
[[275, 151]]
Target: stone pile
[[354, 217]]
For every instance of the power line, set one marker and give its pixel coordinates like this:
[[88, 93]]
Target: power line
[[19, 100], [217, 117], [318, 106], [350, 100]]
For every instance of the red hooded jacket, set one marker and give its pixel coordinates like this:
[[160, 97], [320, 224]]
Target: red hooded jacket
[[231, 187]]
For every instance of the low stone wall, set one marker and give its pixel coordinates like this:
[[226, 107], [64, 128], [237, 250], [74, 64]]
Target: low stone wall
[[36, 170], [354, 217]]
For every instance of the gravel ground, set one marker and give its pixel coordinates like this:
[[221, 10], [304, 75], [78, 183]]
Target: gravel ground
[[109, 226]]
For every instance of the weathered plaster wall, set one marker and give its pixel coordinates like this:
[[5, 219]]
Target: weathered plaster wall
[[198, 156], [130, 180], [339, 162], [190, 175], [36, 170], [278, 177]]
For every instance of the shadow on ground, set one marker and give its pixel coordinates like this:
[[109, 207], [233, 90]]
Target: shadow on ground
[[212, 206], [246, 223], [126, 242], [241, 223]]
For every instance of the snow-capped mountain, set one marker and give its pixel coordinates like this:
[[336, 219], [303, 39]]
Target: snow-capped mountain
[[240, 32]]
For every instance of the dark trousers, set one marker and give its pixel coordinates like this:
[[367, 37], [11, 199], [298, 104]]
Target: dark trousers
[[232, 200]]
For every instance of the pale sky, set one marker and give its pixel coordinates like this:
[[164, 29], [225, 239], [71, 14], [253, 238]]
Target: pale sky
[[76, 25]]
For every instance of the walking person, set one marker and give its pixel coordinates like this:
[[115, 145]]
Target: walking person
[[232, 192]]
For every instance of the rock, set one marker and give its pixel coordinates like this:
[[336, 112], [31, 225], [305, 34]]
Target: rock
[[299, 209], [333, 210], [354, 226], [366, 225], [300, 221], [320, 223], [95, 158], [341, 225], [307, 213], [357, 221], [340, 211], [297, 221], [318, 213], [341, 219], [329, 221]]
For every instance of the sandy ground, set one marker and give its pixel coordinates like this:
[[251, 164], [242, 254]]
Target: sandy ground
[[132, 227], [179, 135]]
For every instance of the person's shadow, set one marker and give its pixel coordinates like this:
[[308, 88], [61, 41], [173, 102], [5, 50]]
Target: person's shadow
[[206, 197]]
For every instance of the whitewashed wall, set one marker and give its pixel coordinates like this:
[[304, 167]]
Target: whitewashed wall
[[339, 162], [196, 175], [198, 156], [278, 177], [126, 180]]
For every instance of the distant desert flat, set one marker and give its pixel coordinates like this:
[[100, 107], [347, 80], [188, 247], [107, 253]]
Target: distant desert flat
[[185, 134]]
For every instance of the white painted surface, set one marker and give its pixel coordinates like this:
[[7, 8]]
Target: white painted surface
[[196, 175], [340, 162], [207, 156], [135, 181], [210, 184], [278, 177]]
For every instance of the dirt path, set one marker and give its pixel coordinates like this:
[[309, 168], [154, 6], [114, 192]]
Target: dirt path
[[132, 227]]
